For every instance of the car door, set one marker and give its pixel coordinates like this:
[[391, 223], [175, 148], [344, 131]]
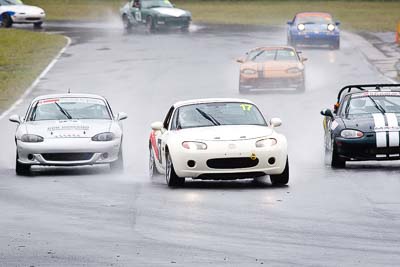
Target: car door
[[162, 137], [134, 11]]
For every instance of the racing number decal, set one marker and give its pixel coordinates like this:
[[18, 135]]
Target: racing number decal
[[246, 107]]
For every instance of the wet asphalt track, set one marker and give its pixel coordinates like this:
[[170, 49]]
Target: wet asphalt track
[[89, 217]]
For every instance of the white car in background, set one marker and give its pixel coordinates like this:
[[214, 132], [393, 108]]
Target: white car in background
[[68, 130], [217, 139], [14, 11]]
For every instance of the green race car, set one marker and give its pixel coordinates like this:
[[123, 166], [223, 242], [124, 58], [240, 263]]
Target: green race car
[[154, 14]]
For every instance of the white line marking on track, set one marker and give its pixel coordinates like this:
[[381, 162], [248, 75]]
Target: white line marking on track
[[36, 82]]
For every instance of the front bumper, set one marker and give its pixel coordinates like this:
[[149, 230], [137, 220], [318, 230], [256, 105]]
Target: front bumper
[[173, 22], [365, 148], [68, 152], [232, 160], [25, 19], [311, 38], [272, 82]]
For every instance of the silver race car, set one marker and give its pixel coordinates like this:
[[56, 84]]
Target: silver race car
[[68, 130]]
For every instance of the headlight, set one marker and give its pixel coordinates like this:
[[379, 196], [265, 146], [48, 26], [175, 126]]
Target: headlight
[[331, 27], [351, 134], [249, 71], [301, 27], [102, 137], [194, 145], [266, 142], [31, 138], [293, 70]]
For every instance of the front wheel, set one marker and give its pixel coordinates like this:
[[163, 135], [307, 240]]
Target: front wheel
[[336, 161], [283, 178], [126, 22], [22, 169], [6, 21], [152, 163], [150, 24], [173, 180], [302, 86], [118, 165], [38, 25]]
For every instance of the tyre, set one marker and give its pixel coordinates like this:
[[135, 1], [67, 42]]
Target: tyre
[[22, 169], [126, 22], [173, 180], [185, 29], [302, 86], [118, 165], [283, 178], [336, 46], [6, 21], [152, 163], [150, 24], [38, 25], [336, 161], [289, 41], [242, 89]]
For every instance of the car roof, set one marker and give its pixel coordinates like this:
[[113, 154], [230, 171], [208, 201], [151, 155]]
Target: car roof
[[311, 13], [273, 47], [210, 100], [68, 95]]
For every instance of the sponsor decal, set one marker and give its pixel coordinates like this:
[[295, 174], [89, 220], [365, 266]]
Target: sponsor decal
[[72, 100], [334, 125], [154, 145], [377, 93], [68, 128]]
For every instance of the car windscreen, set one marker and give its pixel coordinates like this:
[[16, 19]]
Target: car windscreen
[[284, 54], [313, 19], [365, 104], [156, 3], [11, 2], [216, 114], [69, 108]]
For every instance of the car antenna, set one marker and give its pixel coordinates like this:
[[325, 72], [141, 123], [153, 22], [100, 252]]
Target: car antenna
[[69, 90]]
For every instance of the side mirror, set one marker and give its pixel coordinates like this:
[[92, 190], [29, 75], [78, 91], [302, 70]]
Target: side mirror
[[275, 122], [304, 59], [157, 126], [15, 118], [289, 22], [337, 23], [122, 116], [327, 112], [240, 60]]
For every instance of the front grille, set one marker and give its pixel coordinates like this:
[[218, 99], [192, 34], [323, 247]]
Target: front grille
[[232, 163], [32, 19], [67, 156]]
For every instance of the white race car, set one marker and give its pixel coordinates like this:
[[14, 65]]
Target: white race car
[[14, 11], [217, 139], [68, 130]]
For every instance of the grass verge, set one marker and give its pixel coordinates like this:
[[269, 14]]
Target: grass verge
[[358, 15], [23, 56]]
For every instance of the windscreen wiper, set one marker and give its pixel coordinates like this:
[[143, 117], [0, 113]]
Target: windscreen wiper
[[63, 111], [377, 106], [208, 117]]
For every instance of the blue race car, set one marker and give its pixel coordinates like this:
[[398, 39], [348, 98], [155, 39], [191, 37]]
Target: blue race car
[[313, 28]]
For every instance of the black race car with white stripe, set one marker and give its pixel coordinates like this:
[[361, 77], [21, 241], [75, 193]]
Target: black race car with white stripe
[[364, 124]]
